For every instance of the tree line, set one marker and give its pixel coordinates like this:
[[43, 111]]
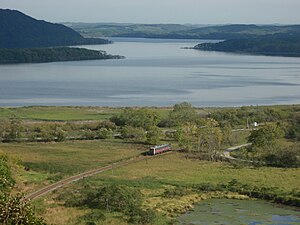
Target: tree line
[[204, 136], [272, 45], [42, 55]]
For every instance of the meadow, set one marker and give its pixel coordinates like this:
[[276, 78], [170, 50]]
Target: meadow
[[43, 163], [170, 184], [158, 176], [52, 113], [66, 113]]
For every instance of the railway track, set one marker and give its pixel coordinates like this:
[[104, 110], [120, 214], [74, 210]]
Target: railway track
[[64, 182]]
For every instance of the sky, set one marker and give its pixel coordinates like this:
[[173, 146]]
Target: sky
[[161, 11]]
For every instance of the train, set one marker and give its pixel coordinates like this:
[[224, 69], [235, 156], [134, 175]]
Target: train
[[159, 149]]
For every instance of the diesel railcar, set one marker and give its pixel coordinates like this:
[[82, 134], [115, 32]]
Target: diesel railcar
[[159, 149]]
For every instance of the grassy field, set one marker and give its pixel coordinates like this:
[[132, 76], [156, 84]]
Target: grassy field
[[176, 169], [73, 113], [41, 163], [47, 162], [52, 113], [66, 113], [154, 176]]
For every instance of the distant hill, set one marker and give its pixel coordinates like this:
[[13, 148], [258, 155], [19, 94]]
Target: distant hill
[[187, 31], [237, 31], [280, 44], [129, 30], [18, 30]]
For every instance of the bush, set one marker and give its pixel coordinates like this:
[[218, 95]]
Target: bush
[[60, 135], [142, 118], [95, 215], [105, 133], [88, 135], [174, 192], [293, 131], [266, 135], [118, 198], [14, 210], [134, 134], [182, 113], [107, 124], [139, 216], [112, 198], [286, 157], [6, 180]]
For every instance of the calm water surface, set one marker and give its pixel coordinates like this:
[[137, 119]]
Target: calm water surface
[[240, 212], [154, 73]]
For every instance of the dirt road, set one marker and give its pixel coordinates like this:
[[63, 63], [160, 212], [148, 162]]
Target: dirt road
[[227, 155]]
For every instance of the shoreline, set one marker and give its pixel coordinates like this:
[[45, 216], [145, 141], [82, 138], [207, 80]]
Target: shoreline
[[175, 207]]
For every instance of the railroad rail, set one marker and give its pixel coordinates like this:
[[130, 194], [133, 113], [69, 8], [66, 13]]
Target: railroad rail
[[64, 182]]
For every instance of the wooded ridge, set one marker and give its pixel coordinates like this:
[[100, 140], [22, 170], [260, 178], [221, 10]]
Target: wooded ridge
[[18, 30]]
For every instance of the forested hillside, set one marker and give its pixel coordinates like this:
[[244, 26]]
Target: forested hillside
[[273, 45], [18, 30], [186, 31], [39, 55]]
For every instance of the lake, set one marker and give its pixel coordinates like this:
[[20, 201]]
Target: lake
[[154, 73], [237, 212]]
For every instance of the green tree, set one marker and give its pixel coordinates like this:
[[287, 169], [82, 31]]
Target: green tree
[[119, 198], [113, 198], [4, 126], [186, 135], [143, 118], [153, 135], [283, 156], [293, 130], [210, 138], [135, 134], [266, 135], [13, 128], [227, 134], [182, 113]]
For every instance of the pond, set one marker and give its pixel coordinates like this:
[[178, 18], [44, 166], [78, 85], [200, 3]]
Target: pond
[[237, 212]]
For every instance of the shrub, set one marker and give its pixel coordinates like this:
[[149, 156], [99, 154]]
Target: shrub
[[174, 192], [92, 217], [14, 210], [6, 180], [139, 216], [134, 133], [105, 133], [88, 135]]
